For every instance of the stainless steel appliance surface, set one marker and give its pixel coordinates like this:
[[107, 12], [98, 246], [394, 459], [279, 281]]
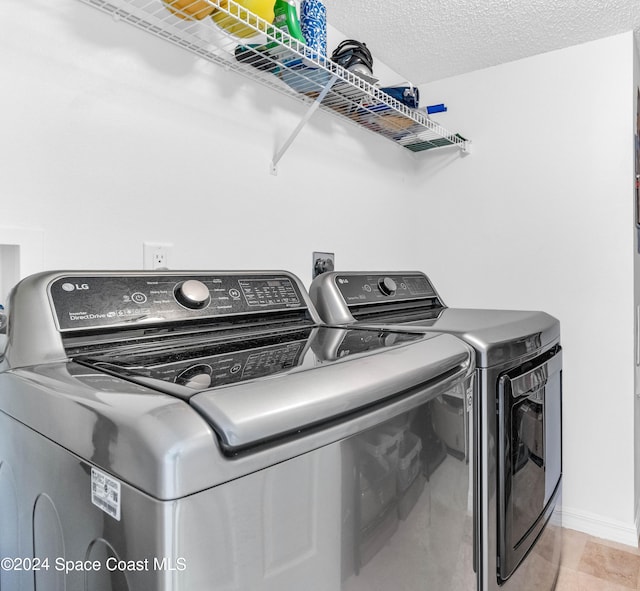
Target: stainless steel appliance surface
[[192, 431], [515, 432]]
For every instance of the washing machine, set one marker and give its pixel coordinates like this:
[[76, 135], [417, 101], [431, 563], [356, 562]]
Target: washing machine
[[204, 431], [514, 432]]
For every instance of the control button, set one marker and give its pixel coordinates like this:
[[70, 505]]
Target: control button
[[366, 287], [192, 294], [387, 286], [138, 298], [234, 293]]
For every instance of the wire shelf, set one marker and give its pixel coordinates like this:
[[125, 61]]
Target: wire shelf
[[226, 33]]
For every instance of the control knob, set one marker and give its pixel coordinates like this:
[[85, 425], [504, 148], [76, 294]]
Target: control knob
[[192, 294], [387, 286], [390, 339], [197, 377]]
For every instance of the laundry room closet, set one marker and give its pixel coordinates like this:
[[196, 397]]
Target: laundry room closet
[[112, 137]]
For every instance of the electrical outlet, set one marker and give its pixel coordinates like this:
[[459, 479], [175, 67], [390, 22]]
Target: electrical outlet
[[155, 255], [322, 262]]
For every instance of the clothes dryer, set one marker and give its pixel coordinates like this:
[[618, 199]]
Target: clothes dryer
[[515, 435]]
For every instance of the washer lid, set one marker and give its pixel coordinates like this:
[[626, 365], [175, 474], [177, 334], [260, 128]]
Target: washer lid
[[258, 412], [257, 387]]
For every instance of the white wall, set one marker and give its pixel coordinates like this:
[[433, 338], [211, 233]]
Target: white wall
[[111, 137], [540, 217]]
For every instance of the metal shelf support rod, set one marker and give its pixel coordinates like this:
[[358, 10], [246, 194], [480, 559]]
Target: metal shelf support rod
[[312, 109]]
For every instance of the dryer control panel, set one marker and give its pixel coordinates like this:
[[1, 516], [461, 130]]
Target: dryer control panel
[[366, 288], [89, 301]]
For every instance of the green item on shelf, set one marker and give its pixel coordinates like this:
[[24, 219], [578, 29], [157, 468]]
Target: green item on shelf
[[286, 19]]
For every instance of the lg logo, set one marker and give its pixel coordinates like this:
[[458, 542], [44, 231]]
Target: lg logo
[[74, 286]]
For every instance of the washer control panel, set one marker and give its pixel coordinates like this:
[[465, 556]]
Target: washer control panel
[[366, 288], [94, 301]]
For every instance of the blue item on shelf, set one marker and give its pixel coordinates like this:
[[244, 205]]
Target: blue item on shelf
[[313, 22], [441, 108]]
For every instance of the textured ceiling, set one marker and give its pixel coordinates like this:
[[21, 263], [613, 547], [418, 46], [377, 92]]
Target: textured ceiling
[[425, 41]]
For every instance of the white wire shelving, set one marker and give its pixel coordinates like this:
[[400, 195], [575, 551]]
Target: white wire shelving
[[210, 28]]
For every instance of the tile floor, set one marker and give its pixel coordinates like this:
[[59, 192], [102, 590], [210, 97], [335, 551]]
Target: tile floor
[[592, 564]]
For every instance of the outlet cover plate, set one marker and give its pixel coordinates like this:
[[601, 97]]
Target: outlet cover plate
[[156, 255]]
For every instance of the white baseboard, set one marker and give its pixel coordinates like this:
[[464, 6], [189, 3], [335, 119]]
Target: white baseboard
[[595, 525]]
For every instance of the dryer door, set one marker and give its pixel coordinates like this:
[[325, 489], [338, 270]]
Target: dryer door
[[529, 417]]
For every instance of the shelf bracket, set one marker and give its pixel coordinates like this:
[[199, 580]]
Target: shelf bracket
[[312, 109]]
